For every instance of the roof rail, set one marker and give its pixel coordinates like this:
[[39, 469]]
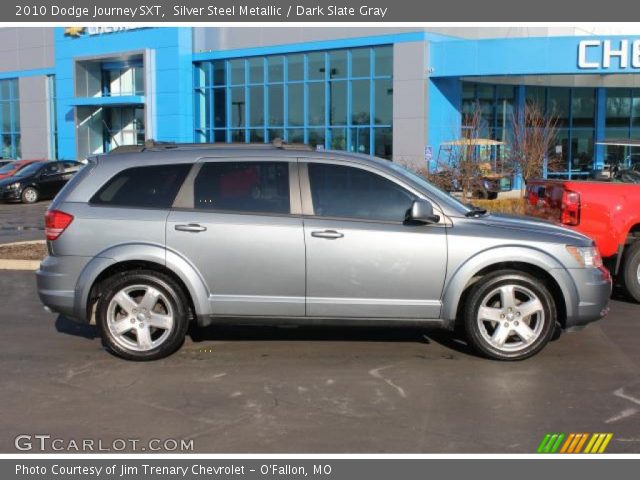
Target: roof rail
[[156, 145]]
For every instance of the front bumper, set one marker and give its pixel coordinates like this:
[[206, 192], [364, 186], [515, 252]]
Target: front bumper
[[594, 292], [10, 195]]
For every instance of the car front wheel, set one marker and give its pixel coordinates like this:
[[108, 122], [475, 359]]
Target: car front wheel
[[509, 315], [30, 195], [142, 315]]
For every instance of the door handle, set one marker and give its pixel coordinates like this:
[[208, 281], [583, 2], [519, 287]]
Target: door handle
[[191, 227], [330, 234]]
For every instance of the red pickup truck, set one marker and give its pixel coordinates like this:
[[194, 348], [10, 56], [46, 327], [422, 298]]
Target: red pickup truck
[[606, 211]]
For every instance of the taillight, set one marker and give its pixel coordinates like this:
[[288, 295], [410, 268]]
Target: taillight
[[570, 208], [56, 222]]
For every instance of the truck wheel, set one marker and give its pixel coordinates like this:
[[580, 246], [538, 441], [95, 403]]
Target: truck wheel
[[631, 271], [492, 195], [142, 315], [509, 315]]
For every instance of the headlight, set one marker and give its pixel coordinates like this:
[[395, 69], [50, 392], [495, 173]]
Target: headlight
[[12, 186], [586, 256]]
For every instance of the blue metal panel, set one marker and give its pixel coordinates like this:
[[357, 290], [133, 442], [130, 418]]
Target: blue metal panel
[[38, 72], [515, 56], [601, 117], [173, 79], [128, 100]]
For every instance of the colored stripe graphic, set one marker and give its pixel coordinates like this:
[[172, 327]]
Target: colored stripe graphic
[[574, 443], [598, 442], [550, 443]]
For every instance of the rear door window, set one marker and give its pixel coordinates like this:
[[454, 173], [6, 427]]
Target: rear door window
[[259, 187], [152, 187]]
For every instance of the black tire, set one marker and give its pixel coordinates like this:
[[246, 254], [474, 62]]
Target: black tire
[[484, 289], [172, 294], [631, 270], [30, 195], [492, 195], [481, 194]]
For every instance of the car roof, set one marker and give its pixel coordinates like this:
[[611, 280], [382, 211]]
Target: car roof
[[188, 153]]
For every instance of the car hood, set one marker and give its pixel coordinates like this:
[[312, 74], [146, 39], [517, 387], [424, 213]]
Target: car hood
[[9, 180], [535, 227]]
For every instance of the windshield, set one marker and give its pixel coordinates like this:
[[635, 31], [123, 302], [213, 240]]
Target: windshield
[[438, 193], [29, 170], [7, 168]]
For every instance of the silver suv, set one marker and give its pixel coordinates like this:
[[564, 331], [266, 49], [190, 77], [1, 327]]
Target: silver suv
[[145, 242]]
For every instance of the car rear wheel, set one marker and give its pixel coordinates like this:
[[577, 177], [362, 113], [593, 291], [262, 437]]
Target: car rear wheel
[[631, 271], [30, 195], [509, 315], [142, 315]]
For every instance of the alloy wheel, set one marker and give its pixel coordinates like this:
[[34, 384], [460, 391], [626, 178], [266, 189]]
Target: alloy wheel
[[140, 318], [511, 318]]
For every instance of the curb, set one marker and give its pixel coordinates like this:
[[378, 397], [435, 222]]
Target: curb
[[14, 264]]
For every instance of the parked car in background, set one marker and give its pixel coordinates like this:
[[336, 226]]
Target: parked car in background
[[145, 242], [37, 181], [11, 168], [607, 211]]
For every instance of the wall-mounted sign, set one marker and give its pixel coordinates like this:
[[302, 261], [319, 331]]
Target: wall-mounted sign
[[605, 54], [80, 31]]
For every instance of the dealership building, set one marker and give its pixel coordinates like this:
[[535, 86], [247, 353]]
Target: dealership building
[[398, 93]]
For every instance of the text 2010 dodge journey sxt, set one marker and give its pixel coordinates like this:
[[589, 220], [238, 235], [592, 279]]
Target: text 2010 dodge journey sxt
[[146, 241]]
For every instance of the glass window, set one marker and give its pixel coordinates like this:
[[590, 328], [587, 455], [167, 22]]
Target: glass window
[[558, 104], [338, 64], [303, 95], [256, 102], [10, 119], [296, 104], [383, 102], [583, 102], [295, 64], [276, 69], [338, 103], [316, 66], [276, 105], [261, 187], [384, 61], [360, 62], [219, 73], [316, 137], [237, 72], [382, 142], [348, 192], [295, 135], [237, 107], [360, 102], [220, 107], [154, 186], [316, 104], [256, 70]]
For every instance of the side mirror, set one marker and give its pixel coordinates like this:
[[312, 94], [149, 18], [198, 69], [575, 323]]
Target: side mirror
[[421, 211]]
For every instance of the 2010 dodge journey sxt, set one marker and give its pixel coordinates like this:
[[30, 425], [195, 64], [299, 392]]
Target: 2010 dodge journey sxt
[[146, 241]]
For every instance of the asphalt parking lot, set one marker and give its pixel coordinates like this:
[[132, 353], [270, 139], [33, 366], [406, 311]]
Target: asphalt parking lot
[[308, 390], [22, 222]]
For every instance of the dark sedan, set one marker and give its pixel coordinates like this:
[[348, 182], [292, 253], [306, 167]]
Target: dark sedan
[[38, 181]]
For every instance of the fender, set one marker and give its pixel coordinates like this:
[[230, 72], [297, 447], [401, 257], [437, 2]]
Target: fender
[[461, 277], [152, 253]]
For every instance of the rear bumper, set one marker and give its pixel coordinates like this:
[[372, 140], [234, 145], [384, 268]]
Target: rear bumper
[[56, 280], [594, 291]]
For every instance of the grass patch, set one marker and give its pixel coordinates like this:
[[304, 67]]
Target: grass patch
[[25, 251]]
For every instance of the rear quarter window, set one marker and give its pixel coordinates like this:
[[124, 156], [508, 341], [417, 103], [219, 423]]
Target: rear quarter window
[[150, 186]]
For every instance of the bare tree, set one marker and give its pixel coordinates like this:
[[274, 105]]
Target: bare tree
[[461, 166], [534, 135]]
